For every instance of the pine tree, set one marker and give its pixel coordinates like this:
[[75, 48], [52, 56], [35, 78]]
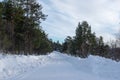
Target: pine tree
[[70, 45], [82, 39], [20, 30], [85, 42]]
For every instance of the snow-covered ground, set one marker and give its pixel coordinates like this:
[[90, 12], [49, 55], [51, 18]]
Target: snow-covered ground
[[57, 66]]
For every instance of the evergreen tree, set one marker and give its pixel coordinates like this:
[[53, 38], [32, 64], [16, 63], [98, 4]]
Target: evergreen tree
[[20, 30], [1, 26], [82, 39], [85, 42], [57, 46], [69, 46]]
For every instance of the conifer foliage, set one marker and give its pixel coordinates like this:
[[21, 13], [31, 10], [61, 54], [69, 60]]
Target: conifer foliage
[[84, 42], [20, 30]]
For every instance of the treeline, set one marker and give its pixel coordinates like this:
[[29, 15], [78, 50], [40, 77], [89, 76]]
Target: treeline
[[21, 33], [85, 43], [20, 30], [115, 48]]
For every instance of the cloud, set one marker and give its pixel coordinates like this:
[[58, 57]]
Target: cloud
[[64, 15]]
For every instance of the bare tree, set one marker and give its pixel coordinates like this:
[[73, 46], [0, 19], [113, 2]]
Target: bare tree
[[118, 39]]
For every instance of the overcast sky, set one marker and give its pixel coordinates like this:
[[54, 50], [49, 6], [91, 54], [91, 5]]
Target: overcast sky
[[64, 15]]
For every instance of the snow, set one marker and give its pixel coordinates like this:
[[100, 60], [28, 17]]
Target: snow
[[57, 66]]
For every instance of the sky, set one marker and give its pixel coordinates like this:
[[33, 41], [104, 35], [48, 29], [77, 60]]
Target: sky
[[63, 16]]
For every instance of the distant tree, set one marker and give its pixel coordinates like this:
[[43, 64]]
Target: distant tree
[[57, 46], [115, 48], [69, 46], [85, 43], [64, 47], [101, 48], [82, 39], [93, 44], [118, 39]]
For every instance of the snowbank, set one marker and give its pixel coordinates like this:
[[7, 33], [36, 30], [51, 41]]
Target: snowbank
[[13, 65], [96, 68]]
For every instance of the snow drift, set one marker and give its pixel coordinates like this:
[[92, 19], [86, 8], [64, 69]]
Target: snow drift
[[57, 66]]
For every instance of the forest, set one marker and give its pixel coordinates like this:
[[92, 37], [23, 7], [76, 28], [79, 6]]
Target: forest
[[21, 33]]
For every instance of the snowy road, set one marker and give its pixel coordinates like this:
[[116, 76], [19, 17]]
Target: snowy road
[[57, 72], [57, 66]]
